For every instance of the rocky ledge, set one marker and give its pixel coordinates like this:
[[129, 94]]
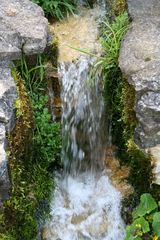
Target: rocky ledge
[[23, 29], [140, 62]]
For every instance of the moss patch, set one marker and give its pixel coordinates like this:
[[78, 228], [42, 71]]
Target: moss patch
[[117, 6]]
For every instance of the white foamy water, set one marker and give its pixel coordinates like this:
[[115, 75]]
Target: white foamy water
[[85, 208]]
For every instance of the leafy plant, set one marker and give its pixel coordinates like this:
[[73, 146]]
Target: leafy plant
[[57, 8], [146, 220], [46, 138]]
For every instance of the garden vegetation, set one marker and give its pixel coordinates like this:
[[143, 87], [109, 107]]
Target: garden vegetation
[[34, 150], [146, 220], [57, 9]]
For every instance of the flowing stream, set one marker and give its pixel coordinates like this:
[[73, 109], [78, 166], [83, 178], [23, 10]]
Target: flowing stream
[[85, 205]]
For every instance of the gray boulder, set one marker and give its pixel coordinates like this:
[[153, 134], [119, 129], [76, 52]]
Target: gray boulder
[[4, 179], [140, 61], [8, 96], [143, 8], [23, 28]]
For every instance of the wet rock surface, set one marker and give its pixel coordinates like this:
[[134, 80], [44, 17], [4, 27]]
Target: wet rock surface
[[140, 61], [23, 29]]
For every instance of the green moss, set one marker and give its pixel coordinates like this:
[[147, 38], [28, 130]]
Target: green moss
[[16, 208], [123, 126], [51, 52], [24, 119], [117, 6]]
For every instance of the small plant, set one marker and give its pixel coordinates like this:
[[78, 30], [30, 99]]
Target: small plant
[[146, 220], [57, 8], [111, 40], [46, 137]]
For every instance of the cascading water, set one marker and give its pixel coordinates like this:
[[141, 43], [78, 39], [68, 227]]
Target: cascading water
[[82, 118], [85, 205]]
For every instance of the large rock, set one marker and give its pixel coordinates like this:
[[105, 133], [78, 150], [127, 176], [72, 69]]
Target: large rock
[[140, 61], [4, 179], [8, 96], [23, 29], [143, 8]]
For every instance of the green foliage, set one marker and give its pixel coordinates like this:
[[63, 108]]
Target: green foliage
[[147, 205], [57, 8], [6, 237], [111, 40], [34, 150], [156, 223], [136, 230], [46, 139], [46, 134], [33, 76], [112, 36], [146, 220]]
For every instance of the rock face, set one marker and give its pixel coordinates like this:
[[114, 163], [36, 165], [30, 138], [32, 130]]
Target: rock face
[[140, 61], [23, 29], [7, 97]]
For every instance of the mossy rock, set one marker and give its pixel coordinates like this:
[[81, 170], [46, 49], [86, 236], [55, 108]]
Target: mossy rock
[[117, 6]]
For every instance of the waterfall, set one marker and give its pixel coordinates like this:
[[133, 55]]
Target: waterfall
[[83, 127], [85, 204]]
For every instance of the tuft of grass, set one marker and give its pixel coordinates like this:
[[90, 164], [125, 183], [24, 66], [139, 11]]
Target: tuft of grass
[[58, 9], [111, 40]]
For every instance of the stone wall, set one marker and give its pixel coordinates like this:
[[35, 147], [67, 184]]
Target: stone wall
[[23, 29], [140, 62]]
